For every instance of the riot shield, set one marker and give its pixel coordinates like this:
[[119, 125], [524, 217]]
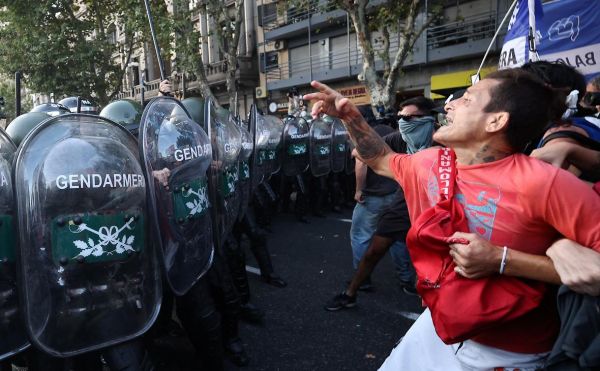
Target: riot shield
[[339, 149], [320, 146], [295, 146], [88, 276], [273, 154], [260, 133], [14, 337], [226, 142], [177, 155], [245, 180]]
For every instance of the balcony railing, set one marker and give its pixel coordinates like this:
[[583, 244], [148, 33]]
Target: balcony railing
[[295, 15], [477, 27], [474, 28], [346, 57], [215, 74]]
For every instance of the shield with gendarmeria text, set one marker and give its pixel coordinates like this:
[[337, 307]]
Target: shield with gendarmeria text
[[226, 141], [295, 146], [14, 337], [89, 277], [177, 157], [320, 146]]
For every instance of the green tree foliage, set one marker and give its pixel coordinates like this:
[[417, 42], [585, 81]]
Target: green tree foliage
[[188, 57], [386, 17], [68, 47], [7, 90]]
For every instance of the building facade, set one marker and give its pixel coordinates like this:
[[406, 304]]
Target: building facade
[[144, 65], [316, 42]]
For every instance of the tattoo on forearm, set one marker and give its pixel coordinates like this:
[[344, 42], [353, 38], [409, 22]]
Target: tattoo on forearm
[[368, 143]]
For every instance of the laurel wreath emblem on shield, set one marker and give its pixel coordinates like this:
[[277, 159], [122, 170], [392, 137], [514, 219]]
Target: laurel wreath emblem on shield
[[199, 203], [245, 170], [231, 177], [109, 236], [323, 150], [297, 149]]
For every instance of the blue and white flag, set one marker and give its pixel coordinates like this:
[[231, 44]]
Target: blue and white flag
[[566, 30], [515, 51], [570, 34]]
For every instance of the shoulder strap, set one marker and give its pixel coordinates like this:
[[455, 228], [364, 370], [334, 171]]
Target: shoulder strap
[[446, 172], [582, 139]]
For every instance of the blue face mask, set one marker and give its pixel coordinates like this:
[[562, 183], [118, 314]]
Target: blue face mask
[[417, 133]]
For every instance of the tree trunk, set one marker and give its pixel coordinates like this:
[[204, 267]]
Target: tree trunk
[[382, 86]]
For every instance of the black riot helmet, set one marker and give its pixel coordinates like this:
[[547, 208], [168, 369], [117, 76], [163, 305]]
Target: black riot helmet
[[87, 105], [195, 107], [53, 109], [124, 112], [22, 125]]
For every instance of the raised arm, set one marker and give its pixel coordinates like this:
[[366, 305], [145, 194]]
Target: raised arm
[[371, 148]]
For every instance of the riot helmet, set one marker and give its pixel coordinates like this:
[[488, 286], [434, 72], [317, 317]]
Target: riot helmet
[[18, 129], [53, 109], [87, 105], [195, 107], [125, 112]]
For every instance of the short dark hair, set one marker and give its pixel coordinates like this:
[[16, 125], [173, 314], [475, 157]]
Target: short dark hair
[[530, 103], [425, 105], [557, 75]]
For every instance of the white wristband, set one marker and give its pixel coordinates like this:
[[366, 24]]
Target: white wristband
[[503, 262]]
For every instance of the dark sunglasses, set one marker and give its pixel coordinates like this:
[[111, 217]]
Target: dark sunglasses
[[409, 117]]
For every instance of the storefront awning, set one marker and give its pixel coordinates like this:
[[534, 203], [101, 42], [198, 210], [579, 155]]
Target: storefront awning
[[446, 83]]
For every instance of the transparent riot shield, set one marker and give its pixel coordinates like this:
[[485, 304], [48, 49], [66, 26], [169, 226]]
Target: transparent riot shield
[[260, 132], [320, 146], [339, 143], [88, 276], [245, 180], [226, 146], [229, 179], [177, 155], [295, 146], [273, 152], [14, 337]]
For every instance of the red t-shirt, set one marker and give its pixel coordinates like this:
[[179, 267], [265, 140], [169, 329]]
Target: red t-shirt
[[519, 202]]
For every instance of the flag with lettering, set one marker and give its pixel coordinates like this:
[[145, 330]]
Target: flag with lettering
[[566, 32], [569, 34], [515, 51]]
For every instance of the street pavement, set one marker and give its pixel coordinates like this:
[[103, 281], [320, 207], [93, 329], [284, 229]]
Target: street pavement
[[298, 334]]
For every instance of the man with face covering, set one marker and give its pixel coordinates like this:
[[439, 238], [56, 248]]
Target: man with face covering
[[416, 123], [416, 126]]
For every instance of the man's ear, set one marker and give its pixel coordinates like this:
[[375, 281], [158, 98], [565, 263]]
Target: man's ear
[[497, 122]]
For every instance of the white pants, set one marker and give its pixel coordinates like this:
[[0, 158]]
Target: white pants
[[422, 350]]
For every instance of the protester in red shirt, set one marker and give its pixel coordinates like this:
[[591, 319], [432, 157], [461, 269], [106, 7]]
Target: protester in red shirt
[[509, 199]]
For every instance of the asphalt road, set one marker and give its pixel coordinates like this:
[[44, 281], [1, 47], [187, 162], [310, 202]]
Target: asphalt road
[[298, 334]]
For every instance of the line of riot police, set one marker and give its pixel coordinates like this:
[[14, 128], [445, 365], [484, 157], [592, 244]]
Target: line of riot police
[[110, 221]]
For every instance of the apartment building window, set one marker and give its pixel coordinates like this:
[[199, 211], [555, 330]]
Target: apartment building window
[[340, 52], [271, 60], [449, 3], [299, 60], [267, 13]]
